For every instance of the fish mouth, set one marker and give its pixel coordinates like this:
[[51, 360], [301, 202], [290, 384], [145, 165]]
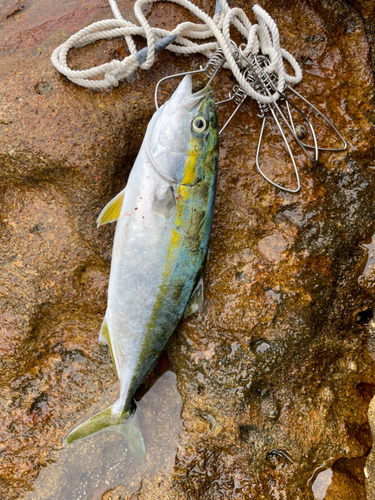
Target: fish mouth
[[192, 101]]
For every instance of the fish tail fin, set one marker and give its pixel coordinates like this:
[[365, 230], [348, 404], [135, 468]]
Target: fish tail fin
[[128, 426]]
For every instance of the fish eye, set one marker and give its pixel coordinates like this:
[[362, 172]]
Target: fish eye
[[199, 124]]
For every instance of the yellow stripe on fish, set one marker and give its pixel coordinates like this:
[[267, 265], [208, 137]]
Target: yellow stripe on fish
[[189, 237]]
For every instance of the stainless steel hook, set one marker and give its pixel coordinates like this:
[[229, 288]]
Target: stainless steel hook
[[239, 97], [265, 83], [270, 84]]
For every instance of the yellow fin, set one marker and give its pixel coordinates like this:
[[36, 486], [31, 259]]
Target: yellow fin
[[111, 211], [104, 333]]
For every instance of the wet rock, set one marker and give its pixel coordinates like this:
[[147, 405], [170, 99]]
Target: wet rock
[[274, 374], [43, 88], [345, 481]]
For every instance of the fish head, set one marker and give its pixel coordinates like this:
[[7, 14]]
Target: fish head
[[175, 130]]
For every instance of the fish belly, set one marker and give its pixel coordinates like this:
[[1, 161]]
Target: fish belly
[[155, 264], [140, 250]]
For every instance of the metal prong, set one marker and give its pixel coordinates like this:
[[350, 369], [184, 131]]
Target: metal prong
[[231, 116], [345, 144], [290, 154], [312, 131], [239, 97], [293, 130], [230, 98]]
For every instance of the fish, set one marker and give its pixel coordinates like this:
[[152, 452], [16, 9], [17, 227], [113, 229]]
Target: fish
[[164, 218]]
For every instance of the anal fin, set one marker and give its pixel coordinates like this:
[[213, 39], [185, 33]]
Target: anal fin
[[104, 337], [111, 212]]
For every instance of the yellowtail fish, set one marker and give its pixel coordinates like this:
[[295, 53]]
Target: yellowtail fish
[[164, 218]]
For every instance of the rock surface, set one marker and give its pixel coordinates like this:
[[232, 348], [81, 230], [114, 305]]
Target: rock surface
[[274, 376]]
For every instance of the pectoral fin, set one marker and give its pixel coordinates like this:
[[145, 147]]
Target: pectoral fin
[[195, 303], [104, 337], [111, 211], [165, 204]]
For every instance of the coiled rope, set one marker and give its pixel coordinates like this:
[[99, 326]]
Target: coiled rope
[[261, 38]]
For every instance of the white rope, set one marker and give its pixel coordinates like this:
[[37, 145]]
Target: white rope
[[261, 38]]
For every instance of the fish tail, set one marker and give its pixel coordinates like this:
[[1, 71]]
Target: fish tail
[[128, 426]]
